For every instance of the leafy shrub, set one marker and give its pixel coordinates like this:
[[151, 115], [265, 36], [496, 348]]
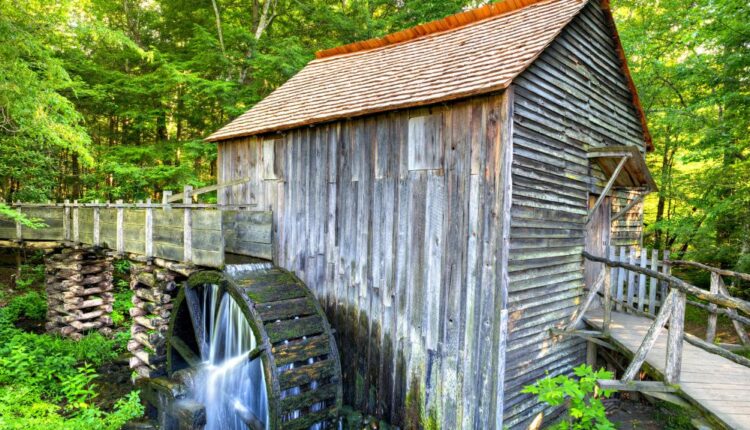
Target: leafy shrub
[[31, 305], [121, 307], [30, 275], [79, 387], [585, 410], [122, 267], [23, 408]]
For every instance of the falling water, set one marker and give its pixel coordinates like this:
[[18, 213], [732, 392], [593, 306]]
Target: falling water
[[230, 386]]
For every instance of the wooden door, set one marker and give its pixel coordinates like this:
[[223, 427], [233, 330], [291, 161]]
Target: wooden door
[[597, 237]]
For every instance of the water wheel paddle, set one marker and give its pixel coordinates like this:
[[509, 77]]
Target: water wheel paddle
[[263, 346]]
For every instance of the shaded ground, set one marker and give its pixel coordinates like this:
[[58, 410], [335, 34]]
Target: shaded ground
[[113, 382], [630, 412]]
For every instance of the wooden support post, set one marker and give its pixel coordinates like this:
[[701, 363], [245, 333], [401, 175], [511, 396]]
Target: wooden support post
[[608, 187], [653, 283], [19, 226], [76, 231], [712, 315], [96, 223], [642, 281], [631, 278], [674, 341], [165, 198], [650, 339], [621, 274], [667, 270], [148, 239], [607, 298], [187, 226], [120, 228], [583, 307], [66, 220]]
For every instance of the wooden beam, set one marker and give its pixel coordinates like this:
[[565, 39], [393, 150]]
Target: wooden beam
[[637, 199], [675, 339], [581, 311], [208, 189], [640, 386], [650, 339], [608, 187]]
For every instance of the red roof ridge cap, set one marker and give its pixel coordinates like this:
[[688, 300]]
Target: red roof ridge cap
[[432, 28]]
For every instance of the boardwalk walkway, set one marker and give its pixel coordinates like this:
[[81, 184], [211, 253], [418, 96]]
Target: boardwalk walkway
[[719, 386]]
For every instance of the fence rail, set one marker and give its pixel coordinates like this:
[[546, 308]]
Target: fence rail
[[187, 232], [634, 283]]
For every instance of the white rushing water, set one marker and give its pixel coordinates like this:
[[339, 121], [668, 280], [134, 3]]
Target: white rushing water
[[231, 386]]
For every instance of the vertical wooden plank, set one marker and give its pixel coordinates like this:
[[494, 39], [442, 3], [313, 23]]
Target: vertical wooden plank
[[19, 226], [666, 268], [473, 270], [675, 339], [97, 229], [66, 220], [642, 280], [621, 277], [187, 225], [148, 238], [608, 271], [76, 230], [631, 291], [712, 316], [120, 228], [653, 282], [505, 196]]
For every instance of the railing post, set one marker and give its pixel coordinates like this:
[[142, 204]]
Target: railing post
[[607, 299], [653, 283], [96, 223], [120, 227], [667, 270], [19, 226], [76, 231], [712, 316], [621, 274], [187, 226], [148, 240], [675, 339], [66, 220]]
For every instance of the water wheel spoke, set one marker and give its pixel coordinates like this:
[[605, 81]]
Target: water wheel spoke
[[185, 351], [194, 308]]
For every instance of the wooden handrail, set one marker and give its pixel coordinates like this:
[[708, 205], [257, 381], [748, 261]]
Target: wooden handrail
[[208, 189], [723, 272], [677, 283]]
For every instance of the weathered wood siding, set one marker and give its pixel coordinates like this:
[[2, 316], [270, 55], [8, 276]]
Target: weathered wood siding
[[574, 96], [394, 221]]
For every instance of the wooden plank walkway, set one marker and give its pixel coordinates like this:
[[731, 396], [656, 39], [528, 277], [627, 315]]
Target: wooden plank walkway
[[719, 386]]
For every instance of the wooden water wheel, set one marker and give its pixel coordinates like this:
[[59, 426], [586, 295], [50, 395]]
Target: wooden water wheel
[[294, 341]]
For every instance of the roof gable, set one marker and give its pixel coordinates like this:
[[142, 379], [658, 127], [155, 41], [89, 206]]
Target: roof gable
[[471, 53]]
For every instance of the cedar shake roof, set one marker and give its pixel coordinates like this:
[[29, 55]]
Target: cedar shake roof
[[470, 53]]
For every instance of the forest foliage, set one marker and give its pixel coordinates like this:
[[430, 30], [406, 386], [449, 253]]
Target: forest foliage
[[103, 99]]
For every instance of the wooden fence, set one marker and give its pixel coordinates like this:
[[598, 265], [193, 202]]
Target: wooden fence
[[187, 232], [638, 290], [669, 295]]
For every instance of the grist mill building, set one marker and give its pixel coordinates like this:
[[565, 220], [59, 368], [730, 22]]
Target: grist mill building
[[436, 187]]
